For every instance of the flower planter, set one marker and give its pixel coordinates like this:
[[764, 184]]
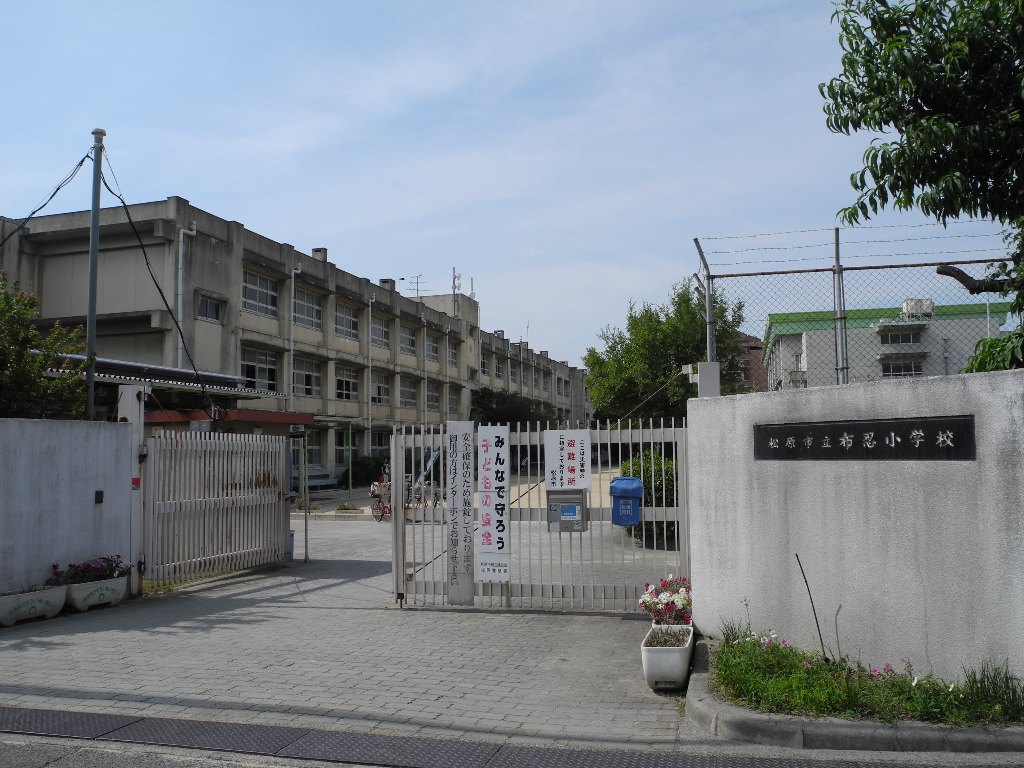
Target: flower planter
[[666, 668], [669, 627], [82, 597], [45, 603]]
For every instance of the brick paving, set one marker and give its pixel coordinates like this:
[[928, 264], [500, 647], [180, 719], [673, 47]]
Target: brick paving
[[322, 645]]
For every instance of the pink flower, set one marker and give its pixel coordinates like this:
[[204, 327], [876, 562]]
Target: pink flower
[[808, 664], [875, 671], [887, 667], [786, 644]]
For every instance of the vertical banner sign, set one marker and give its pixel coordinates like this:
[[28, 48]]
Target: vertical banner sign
[[459, 442], [567, 459], [492, 479]]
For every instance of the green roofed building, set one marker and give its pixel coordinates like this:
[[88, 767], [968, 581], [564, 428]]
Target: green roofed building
[[917, 338]]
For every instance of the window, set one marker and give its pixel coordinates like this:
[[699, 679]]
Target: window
[[380, 332], [407, 395], [453, 354], [902, 368], [558, 385], [433, 347], [380, 388], [210, 309], [536, 379], [315, 447], [407, 341], [305, 377], [433, 396], [380, 443], [346, 322], [454, 400], [513, 373], [347, 381], [308, 310], [259, 369], [341, 438], [547, 382], [499, 369], [904, 337], [259, 294], [484, 371]]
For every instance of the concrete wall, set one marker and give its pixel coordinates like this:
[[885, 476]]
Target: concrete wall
[[925, 557], [49, 474]]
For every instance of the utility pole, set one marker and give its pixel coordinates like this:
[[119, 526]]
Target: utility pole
[[94, 255]]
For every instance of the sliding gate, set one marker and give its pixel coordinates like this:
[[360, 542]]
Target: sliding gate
[[604, 568]]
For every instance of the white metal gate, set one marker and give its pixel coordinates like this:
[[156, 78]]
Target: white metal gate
[[602, 569], [214, 503]]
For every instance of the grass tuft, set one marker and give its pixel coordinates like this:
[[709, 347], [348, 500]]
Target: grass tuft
[[762, 672]]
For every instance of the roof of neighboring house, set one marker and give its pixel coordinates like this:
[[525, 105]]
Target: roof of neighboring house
[[790, 323]]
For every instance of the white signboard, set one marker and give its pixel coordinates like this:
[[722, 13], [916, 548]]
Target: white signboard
[[459, 511], [567, 459], [492, 543]]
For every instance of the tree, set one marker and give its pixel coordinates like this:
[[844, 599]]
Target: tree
[[496, 407], [947, 77], [35, 381], [638, 372]]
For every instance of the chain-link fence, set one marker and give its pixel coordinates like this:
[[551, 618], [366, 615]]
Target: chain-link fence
[[815, 327]]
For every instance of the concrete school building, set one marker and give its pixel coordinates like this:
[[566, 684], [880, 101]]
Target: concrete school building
[[352, 358]]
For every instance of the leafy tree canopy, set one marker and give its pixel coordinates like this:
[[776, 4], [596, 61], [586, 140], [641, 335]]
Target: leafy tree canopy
[[946, 77], [496, 407], [34, 382], [638, 372]]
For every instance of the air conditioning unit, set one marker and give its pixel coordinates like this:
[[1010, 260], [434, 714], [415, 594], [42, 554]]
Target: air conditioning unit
[[918, 307]]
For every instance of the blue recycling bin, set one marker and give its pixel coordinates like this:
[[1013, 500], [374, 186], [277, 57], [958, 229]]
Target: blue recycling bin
[[627, 500]]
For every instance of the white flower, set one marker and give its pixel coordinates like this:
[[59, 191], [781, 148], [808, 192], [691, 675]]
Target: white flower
[[951, 687], [914, 684]]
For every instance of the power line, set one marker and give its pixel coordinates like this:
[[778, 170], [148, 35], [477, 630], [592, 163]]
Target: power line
[[56, 190], [206, 398]]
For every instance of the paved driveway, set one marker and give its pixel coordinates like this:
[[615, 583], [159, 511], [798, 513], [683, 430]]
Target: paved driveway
[[321, 644]]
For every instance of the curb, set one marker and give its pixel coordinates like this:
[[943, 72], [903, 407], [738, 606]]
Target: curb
[[731, 722]]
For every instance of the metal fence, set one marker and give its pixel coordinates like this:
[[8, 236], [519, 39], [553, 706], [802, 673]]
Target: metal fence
[[846, 324], [215, 503], [604, 568]]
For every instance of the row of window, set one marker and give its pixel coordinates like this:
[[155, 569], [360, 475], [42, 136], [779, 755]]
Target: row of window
[[901, 337], [259, 295], [259, 369]]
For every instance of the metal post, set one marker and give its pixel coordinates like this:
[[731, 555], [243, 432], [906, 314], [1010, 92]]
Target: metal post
[[291, 342], [304, 484], [709, 303], [94, 251], [348, 455], [842, 361]]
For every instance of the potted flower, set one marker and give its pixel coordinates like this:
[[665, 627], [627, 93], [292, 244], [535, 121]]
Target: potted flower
[[31, 603], [665, 653], [669, 603], [101, 581]]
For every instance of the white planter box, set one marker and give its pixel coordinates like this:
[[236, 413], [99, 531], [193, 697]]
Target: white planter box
[[666, 667], [30, 605], [82, 597]]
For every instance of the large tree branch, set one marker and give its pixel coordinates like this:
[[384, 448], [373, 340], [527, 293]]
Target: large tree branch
[[972, 284]]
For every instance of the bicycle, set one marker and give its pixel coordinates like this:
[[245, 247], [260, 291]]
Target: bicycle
[[380, 509]]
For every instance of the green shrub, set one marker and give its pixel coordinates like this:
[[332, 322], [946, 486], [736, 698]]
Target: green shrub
[[658, 476]]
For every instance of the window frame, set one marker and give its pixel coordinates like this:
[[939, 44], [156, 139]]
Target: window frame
[[346, 326], [263, 287], [380, 340], [350, 393], [268, 384], [312, 305], [407, 340], [380, 391], [312, 384]]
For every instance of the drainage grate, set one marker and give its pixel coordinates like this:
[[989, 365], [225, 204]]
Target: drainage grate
[[43, 722], [398, 751], [225, 737]]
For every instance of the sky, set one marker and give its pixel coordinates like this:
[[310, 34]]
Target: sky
[[561, 157]]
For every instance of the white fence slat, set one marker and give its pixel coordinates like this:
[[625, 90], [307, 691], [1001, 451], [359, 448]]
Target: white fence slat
[[215, 503]]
